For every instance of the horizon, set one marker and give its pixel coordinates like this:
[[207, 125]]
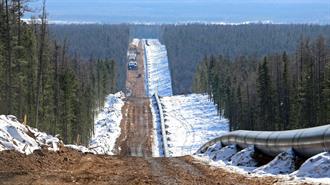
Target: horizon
[[185, 11]]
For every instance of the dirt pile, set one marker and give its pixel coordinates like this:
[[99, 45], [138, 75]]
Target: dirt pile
[[68, 166]]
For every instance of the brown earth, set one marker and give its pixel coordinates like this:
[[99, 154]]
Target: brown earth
[[136, 125], [136, 128], [68, 166]]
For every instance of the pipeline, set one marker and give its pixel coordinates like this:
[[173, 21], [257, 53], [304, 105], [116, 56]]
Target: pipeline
[[162, 123], [305, 142]]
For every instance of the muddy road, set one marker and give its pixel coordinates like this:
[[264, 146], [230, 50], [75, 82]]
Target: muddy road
[[136, 125], [136, 129]]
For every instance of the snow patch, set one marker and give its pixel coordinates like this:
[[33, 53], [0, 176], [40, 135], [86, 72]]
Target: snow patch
[[245, 158], [191, 120], [135, 42], [107, 125], [24, 139], [82, 149], [225, 153], [284, 163], [212, 150], [317, 166]]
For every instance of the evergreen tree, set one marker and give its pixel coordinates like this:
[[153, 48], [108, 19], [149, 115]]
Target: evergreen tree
[[326, 93], [41, 82], [266, 97], [285, 100]]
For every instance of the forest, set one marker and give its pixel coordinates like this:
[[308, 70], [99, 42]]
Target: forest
[[187, 45], [42, 84], [96, 41], [276, 92], [56, 77]]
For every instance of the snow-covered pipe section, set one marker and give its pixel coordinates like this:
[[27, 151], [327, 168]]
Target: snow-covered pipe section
[[162, 123], [305, 142]]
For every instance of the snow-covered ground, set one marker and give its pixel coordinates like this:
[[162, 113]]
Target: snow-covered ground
[[16, 136], [314, 170], [107, 125], [191, 121], [158, 77], [24, 139], [135, 42]]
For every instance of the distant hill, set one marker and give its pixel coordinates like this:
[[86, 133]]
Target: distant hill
[[174, 11]]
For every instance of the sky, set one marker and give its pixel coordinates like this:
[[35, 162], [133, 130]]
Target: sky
[[176, 11]]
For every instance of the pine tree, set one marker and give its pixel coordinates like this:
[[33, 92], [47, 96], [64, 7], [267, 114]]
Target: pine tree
[[266, 99], [326, 94], [285, 101]]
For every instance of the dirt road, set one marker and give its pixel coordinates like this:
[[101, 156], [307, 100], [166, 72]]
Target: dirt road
[[136, 125]]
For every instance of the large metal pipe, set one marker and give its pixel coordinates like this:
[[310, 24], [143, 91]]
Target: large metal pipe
[[305, 142]]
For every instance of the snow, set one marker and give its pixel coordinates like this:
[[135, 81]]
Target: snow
[[225, 153], [82, 149], [317, 166], [244, 158], [135, 42], [24, 139], [212, 150], [315, 170], [157, 147], [191, 121], [107, 125], [158, 77], [284, 163]]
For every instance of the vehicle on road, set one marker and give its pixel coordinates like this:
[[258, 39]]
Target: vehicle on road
[[132, 65]]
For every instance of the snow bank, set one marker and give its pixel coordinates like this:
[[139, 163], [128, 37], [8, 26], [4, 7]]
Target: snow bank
[[24, 139], [158, 77], [314, 170], [135, 42], [317, 166], [190, 121], [244, 158], [225, 153], [212, 150], [284, 163], [107, 125], [157, 147]]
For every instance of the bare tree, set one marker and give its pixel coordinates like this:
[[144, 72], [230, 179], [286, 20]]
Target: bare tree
[[43, 29]]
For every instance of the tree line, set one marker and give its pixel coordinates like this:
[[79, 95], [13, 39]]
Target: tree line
[[187, 45], [42, 84], [277, 92], [96, 41]]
